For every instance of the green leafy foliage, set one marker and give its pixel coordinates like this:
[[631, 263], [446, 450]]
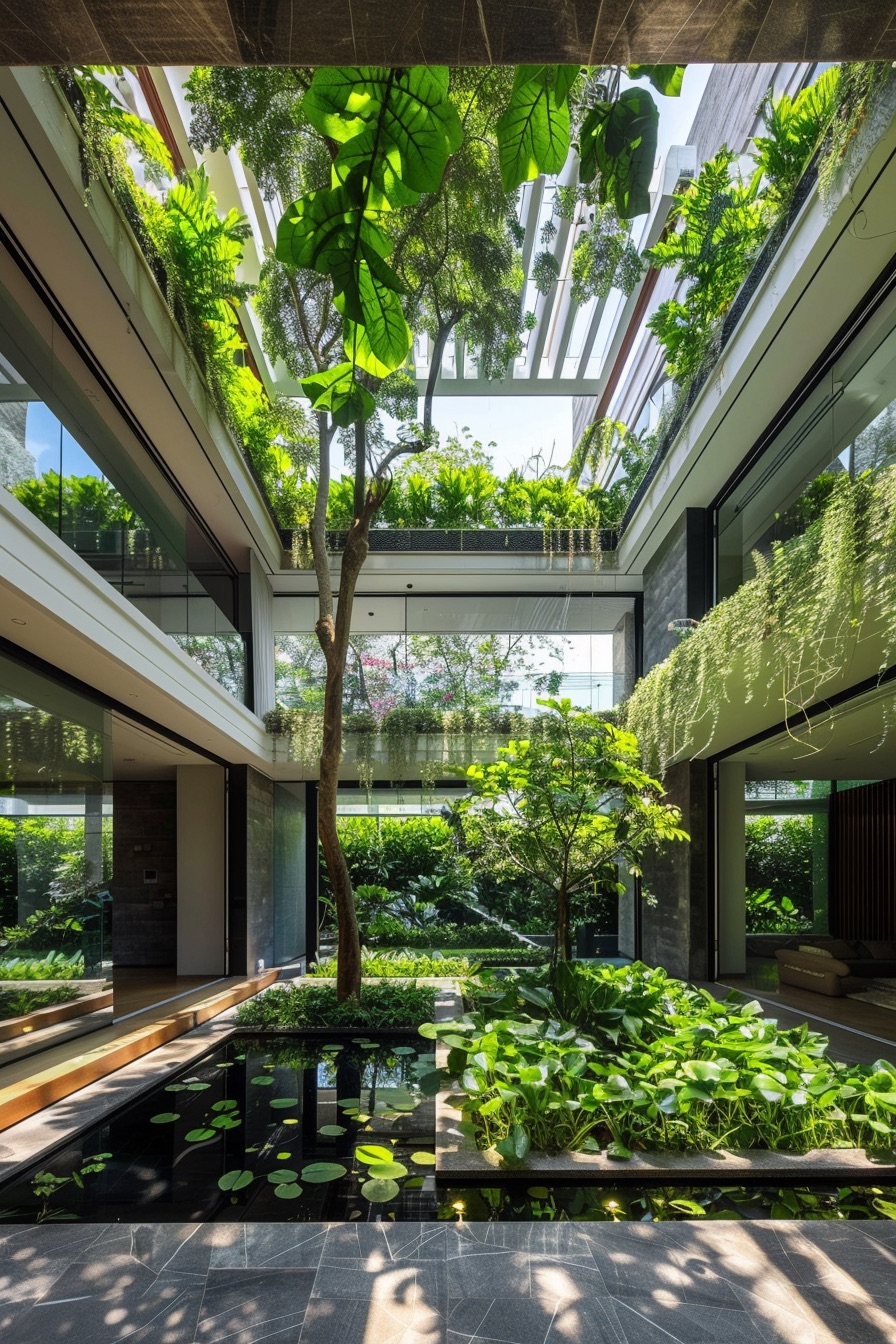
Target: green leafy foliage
[[396, 130], [666, 79], [722, 222], [617, 143], [629, 1059], [780, 856], [534, 131], [402, 964], [295, 1006], [794, 129], [785, 634], [55, 966], [564, 807], [20, 1002]]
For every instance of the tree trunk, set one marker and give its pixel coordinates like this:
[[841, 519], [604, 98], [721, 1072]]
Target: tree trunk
[[333, 636], [562, 948]]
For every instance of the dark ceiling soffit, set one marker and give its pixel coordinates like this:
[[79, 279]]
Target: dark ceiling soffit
[[383, 32]]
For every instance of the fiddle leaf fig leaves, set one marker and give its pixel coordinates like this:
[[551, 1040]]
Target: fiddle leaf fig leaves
[[396, 130], [534, 131], [617, 146], [666, 79]]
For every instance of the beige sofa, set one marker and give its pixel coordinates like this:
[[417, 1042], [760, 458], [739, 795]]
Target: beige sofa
[[823, 974]]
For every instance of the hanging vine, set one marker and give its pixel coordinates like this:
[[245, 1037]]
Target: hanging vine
[[787, 633]]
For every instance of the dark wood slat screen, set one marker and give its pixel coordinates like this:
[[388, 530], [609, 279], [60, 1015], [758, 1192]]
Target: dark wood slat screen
[[863, 870]]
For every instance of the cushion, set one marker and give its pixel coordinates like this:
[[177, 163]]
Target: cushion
[[816, 951], [882, 951], [838, 947]]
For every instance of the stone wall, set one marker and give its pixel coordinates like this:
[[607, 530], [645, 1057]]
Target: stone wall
[[674, 585], [676, 931], [144, 841], [251, 884]]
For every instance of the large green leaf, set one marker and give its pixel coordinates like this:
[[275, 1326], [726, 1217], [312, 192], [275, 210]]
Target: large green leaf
[[666, 79], [533, 132], [337, 390], [617, 145], [329, 231], [398, 126], [380, 342]]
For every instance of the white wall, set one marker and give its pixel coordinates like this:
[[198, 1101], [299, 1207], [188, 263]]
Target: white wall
[[201, 870]]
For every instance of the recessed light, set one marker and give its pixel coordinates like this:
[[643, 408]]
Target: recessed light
[[17, 620], [409, 585]]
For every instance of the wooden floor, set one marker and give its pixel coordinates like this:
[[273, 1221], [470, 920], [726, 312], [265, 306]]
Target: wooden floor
[[139, 987], [859, 1032]]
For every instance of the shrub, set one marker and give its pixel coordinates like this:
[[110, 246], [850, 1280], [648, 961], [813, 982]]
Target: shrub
[[402, 963], [20, 1002], [56, 966], [295, 1006], [445, 936]]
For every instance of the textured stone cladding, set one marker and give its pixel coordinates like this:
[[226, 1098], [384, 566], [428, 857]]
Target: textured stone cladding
[[675, 931], [144, 831]]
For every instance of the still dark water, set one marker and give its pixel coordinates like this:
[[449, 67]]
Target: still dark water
[[290, 1129]]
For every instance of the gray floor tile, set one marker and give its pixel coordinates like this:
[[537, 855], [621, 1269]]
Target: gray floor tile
[[648, 1322], [404, 1241], [495, 1273], [247, 1306], [284, 1245], [103, 1306], [353, 1321]]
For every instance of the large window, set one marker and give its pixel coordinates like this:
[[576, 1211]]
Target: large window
[[145, 546], [846, 424], [462, 654]]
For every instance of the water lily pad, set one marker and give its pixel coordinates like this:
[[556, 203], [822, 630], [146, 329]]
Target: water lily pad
[[290, 1120], [225, 1064], [226, 1122], [423, 1159], [224, 1106], [290, 1191], [281, 1103], [414, 1183], [164, 1118], [235, 1180], [197, 1087], [262, 1080], [332, 1131], [318, 1173], [379, 1191], [283, 1176], [283, 1157], [388, 1170], [343, 1102], [404, 1050], [198, 1135], [369, 1153], [176, 1087]]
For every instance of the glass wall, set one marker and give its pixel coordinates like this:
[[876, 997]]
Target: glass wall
[[786, 852], [145, 546], [465, 655], [290, 872], [847, 424], [55, 863]]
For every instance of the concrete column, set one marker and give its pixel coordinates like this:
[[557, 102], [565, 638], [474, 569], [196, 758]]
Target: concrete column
[[201, 871], [624, 657], [731, 868]]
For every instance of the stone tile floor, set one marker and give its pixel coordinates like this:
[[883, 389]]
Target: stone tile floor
[[429, 1283]]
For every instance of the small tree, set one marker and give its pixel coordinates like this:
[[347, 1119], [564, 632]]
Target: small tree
[[561, 806]]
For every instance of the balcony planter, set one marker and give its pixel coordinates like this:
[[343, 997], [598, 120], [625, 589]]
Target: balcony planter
[[497, 541]]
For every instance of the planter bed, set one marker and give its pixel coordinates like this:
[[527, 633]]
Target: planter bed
[[13, 1027]]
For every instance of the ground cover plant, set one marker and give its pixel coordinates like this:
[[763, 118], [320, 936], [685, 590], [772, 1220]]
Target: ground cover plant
[[53, 966], [19, 1002], [600, 1058], [401, 964], [398, 1005], [597, 1204]]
